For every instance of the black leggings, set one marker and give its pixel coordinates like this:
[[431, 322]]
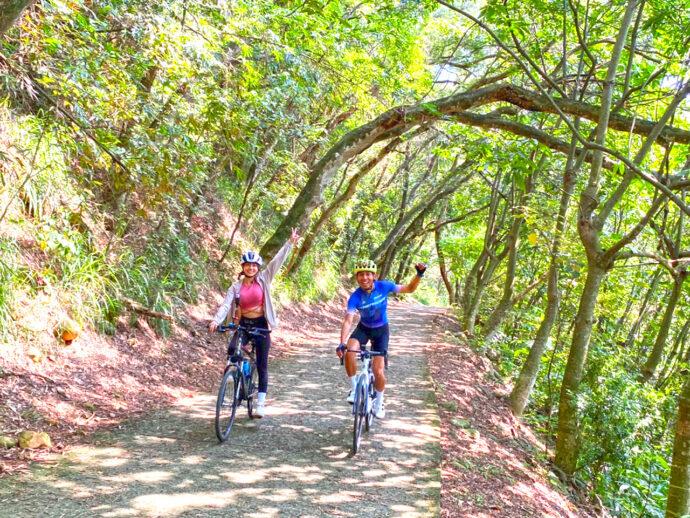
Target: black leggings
[[263, 344]]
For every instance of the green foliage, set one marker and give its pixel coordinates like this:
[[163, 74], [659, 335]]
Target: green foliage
[[11, 276], [124, 125], [164, 275], [317, 279], [627, 420]]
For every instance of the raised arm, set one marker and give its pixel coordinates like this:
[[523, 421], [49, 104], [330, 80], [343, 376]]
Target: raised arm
[[412, 285], [275, 264]]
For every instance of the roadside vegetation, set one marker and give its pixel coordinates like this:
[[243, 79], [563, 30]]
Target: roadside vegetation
[[535, 154]]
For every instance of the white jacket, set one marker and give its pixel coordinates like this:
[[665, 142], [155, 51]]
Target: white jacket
[[264, 278]]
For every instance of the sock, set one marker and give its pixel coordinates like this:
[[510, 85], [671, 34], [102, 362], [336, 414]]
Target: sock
[[261, 398], [353, 380], [378, 395]]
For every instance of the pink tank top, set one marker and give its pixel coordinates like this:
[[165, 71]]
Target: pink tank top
[[251, 296]]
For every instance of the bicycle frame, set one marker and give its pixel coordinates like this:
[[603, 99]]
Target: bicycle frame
[[243, 387], [238, 354], [362, 408], [365, 377]]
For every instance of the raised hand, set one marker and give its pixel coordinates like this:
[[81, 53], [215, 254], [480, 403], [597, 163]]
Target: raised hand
[[421, 268], [294, 237]]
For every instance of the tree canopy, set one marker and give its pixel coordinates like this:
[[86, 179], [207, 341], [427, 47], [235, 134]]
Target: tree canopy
[[534, 153]]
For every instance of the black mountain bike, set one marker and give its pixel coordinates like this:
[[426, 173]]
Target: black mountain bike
[[240, 378], [363, 407]]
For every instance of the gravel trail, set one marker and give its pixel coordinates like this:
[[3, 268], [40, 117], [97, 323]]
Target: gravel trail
[[294, 462]]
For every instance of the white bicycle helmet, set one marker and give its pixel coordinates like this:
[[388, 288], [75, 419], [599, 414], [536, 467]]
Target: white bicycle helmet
[[252, 257]]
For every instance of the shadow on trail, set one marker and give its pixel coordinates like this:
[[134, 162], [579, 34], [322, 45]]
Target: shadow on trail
[[294, 462]]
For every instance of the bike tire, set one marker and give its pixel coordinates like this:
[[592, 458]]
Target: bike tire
[[369, 408], [227, 403], [359, 410], [252, 387]]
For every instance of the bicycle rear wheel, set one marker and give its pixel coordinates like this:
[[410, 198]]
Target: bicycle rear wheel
[[359, 410], [252, 388], [227, 403]]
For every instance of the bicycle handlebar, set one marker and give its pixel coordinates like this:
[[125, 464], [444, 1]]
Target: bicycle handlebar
[[364, 353], [250, 330]]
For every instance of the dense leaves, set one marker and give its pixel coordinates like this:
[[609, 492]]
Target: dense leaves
[[130, 130]]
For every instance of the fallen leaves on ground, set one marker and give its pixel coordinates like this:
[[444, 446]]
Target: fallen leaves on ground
[[492, 466]]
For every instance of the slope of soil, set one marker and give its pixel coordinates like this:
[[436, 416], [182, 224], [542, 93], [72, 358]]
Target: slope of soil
[[98, 381], [491, 465]]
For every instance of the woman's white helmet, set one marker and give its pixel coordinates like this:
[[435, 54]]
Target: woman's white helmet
[[252, 257]]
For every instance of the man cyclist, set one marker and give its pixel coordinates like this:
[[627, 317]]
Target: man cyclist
[[371, 301]]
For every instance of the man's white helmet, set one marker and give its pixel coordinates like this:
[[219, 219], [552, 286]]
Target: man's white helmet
[[252, 257]]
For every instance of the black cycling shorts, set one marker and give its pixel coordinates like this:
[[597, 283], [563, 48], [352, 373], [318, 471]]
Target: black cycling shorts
[[378, 336]]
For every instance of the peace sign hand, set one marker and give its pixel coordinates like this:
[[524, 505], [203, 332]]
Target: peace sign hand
[[294, 237]]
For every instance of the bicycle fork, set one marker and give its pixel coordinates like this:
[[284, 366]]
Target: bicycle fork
[[363, 388]]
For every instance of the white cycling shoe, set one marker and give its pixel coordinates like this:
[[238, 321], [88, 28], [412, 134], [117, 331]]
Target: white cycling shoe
[[351, 397], [260, 410], [379, 408]]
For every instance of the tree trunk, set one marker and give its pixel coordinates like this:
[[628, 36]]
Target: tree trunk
[[632, 333], [349, 248], [588, 226], [338, 202], [632, 298], [448, 185], [678, 502], [255, 171], [522, 390], [654, 359], [493, 323], [472, 292], [442, 265], [568, 439], [469, 312], [387, 261], [528, 374], [402, 266], [480, 285], [678, 353], [10, 11]]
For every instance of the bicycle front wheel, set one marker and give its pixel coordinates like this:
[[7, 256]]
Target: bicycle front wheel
[[369, 411], [359, 409], [227, 403], [252, 387]]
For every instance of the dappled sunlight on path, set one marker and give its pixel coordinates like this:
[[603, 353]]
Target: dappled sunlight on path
[[294, 462]]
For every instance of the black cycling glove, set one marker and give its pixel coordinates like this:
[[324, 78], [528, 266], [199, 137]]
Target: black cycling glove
[[421, 269]]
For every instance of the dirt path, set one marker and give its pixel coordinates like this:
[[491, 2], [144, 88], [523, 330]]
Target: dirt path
[[294, 462]]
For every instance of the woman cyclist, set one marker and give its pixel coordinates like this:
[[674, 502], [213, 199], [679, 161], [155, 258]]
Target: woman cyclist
[[251, 295]]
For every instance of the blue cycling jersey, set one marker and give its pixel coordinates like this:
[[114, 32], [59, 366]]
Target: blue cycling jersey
[[372, 306]]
